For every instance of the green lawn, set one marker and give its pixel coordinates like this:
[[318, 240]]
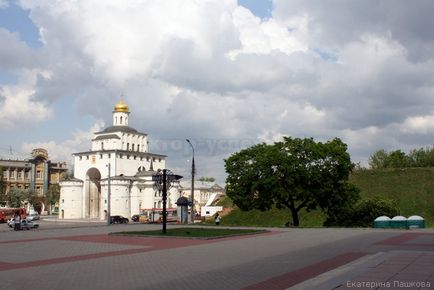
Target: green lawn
[[271, 218], [193, 232]]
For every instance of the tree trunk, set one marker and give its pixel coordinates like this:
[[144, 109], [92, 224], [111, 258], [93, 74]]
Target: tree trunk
[[295, 220]]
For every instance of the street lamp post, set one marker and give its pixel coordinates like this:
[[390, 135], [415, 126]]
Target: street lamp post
[[164, 179], [108, 195], [192, 183]]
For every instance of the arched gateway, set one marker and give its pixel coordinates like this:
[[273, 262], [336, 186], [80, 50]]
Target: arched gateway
[[92, 195]]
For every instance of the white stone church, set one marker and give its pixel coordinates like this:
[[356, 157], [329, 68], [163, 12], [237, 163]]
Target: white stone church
[[126, 152]]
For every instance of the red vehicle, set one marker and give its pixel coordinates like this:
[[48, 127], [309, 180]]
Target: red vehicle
[[8, 213]]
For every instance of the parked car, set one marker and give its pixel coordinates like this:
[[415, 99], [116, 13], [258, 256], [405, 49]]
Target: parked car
[[25, 224], [135, 218], [33, 216], [11, 220], [118, 219]]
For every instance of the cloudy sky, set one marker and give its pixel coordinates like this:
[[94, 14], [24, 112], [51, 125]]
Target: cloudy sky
[[225, 74]]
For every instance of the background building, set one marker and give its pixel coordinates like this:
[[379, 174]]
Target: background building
[[205, 193], [35, 173]]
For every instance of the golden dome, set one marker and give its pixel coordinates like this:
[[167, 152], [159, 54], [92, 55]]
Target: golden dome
[[121, 107]]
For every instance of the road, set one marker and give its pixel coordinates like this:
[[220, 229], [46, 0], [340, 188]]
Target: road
[[81, 255]]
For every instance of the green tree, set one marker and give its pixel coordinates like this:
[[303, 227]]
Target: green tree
[[67, 175], [378, 159], [207, 179], [2, 189], [17, 197], [53, 195], [397, 159], [296, 174]]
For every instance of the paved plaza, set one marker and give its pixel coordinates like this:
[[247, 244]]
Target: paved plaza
[[75, 255]]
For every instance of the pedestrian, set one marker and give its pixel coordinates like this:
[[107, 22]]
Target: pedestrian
[[217, 219], [17, 225]]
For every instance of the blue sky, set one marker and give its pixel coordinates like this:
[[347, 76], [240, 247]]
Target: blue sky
[[15, 19], [225, 74]]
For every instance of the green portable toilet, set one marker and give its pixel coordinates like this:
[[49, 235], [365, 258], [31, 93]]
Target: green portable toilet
[[398, 222], [382, 222], [415, 222]]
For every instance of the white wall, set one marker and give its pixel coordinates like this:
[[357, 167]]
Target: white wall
[[210, 210], [71, 197], [120, 198]]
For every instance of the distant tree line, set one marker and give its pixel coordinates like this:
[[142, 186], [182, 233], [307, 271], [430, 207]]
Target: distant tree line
[[398, 159], [207, 179]]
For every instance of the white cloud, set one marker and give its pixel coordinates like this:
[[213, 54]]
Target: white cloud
[[262, 36], [17, 104], [14, 53], [210, 70], [62, 151], [418, 125]]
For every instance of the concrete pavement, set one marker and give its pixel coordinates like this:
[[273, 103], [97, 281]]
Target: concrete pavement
[[85, 257]]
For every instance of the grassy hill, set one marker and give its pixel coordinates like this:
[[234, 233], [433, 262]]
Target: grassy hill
[[411, 188]]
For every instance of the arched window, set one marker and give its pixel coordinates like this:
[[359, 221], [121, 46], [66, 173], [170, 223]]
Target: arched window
[[133, 147], [121, 121]]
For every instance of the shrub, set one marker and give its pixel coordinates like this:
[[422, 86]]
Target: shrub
[[363, 213]]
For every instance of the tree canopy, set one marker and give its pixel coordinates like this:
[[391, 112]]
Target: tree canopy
[[2, 189], [295, 173], [17, 197], [53, 195], [207, 179]]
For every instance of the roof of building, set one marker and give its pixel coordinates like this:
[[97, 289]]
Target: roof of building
[[109, 136], [125, 129], [202, 185], [145, 173], [182, 201], [116, 151], [71, 179], [15, 163]]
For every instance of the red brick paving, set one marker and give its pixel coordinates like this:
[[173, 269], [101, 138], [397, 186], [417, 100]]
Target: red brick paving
[[399, 240], [406, 267], [292, 278], [409, 267], [148, 244]]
